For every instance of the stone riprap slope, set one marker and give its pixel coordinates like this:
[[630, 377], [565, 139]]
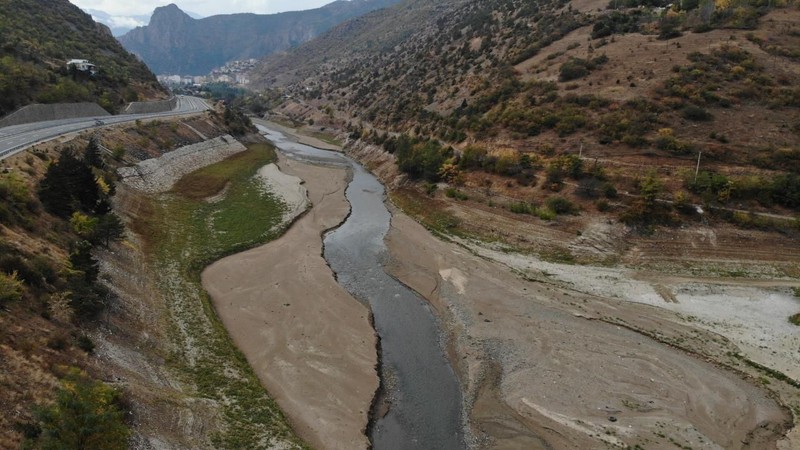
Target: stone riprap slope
[[160, 174]]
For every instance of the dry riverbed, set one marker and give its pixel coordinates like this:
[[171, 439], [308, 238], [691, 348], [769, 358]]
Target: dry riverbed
[[549, 355], [549, 366], [310, 343]]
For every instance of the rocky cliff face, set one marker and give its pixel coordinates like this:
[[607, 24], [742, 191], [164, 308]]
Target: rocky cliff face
[[176, 43]]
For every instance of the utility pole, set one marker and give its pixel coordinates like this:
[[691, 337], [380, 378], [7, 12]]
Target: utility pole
[[697, 170]]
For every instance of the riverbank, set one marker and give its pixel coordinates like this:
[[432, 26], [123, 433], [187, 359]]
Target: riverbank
[[299, 137], [311, 343], [549, 367]]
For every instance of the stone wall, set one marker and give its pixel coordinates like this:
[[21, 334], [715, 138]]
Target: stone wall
[[57, 111], [151, 107], [160, 174]]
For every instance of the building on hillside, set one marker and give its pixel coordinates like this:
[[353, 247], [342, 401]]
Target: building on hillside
[[82, 65]]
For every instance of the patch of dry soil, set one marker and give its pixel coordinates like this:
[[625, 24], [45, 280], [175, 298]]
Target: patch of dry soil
[[311, 344]]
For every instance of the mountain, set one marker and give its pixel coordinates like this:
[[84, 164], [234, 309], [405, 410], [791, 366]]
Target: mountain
[[36, 41], [175, 43], [526, 91], [120, 25]]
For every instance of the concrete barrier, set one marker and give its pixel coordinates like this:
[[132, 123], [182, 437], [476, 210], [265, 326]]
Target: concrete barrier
[[151, 107], [160, 174], [56, 111]]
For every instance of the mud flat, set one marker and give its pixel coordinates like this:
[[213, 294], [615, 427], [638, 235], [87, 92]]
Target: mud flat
[[311, 343], [544, 366]]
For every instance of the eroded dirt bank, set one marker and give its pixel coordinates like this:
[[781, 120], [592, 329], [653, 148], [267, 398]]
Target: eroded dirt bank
[[311, 344], [542, 366]]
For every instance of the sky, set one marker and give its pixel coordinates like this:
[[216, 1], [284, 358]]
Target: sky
[[204, 8]]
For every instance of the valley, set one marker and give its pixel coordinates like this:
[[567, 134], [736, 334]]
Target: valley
[[412, 224]]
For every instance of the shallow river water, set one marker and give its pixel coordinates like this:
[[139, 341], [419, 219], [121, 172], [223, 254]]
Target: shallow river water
[[421, 387]]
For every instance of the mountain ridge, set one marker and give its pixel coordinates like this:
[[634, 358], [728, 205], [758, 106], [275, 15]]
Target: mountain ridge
[[174, 43]]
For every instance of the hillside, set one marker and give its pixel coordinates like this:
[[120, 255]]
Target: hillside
[[93, 353], [175, 43], [564, 98], [36, 41], [590, 146]]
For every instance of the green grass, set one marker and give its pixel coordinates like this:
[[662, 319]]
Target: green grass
[[186, 232], [424, 209], [327, 137]]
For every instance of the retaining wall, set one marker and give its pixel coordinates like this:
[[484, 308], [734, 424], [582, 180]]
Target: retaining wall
[[57, 111], [151, 107], [160, 174]]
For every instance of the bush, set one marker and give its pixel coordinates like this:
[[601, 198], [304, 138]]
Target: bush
[[561, 205], [696, 113], [85, 343], [85, 415], [10, 288], [456, 194], [573, 69], [521, 208]]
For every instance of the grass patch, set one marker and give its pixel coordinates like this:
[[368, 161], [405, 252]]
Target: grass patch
[[326, 137], [184, 233], [211, 180], [560, 255], [795, 319], [423, 209]]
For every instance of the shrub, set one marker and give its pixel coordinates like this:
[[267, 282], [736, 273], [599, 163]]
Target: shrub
[[545, 214], [696, 113], [795, 319], [85, 343], [86, 414], [590, 188], [521, 208], [10, 288], [561, 205], [456, 194], [573, 69]]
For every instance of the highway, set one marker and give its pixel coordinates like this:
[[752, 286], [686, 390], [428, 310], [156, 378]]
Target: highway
[[17, 138]]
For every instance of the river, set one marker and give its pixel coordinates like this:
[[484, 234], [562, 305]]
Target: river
[[417, 381]]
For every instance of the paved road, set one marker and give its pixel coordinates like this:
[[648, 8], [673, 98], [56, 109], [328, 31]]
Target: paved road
[[17, 138]]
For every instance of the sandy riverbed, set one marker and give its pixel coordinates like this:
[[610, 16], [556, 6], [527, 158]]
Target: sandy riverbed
[[547, 362], [308, 340], [542, 367]]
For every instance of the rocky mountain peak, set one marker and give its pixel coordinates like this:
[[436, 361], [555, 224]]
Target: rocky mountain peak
[[169, 15]]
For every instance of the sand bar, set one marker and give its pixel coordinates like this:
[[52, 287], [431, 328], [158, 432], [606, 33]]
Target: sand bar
[[310, 343]]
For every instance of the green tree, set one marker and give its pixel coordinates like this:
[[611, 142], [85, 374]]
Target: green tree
[[69, 185], [85, 415], [92, 155], [649, 188], [10, 287], [109, 228]]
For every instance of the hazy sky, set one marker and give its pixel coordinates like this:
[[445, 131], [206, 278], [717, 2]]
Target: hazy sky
[[202, 7]]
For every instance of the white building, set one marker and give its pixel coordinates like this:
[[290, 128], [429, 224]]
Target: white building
[[82, 65]]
